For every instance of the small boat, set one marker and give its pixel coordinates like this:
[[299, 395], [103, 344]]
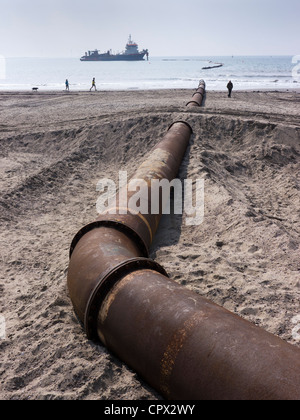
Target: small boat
[[131, 53], [212, 67]]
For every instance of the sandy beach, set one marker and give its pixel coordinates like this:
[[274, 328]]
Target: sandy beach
[[55, 146]]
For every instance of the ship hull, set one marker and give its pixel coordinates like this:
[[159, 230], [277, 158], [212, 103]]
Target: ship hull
[[117, 57]]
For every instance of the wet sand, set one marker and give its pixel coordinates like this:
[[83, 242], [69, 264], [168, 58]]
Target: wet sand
[[55, 146]]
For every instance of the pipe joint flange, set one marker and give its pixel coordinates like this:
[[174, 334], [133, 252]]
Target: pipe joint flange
[[105, 284], [193, 103], [122, 227], [198, 93], [182, 122]]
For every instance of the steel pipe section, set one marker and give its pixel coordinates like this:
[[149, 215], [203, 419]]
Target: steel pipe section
[[115, 241], [186, 347], [183, 345], [163, 163], [198, 95]]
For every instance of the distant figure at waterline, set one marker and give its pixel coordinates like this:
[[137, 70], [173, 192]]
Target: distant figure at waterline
[[93, 84], [229, 87]]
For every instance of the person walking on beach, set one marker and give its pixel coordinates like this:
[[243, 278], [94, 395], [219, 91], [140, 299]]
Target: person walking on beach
[[229, 87], [93, 84], [67, 84]]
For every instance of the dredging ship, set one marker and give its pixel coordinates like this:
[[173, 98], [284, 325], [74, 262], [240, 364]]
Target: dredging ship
[[131, 53]]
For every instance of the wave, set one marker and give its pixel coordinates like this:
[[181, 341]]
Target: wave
[[256, 76], [164, 72]]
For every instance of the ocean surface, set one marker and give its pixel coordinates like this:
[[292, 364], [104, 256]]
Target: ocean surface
[[261, 72]]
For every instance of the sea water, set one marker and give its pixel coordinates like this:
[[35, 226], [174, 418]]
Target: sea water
[[261, 72]]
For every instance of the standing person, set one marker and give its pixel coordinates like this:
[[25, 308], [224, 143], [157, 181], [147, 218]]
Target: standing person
[[229, 87], [67, 84], [93, 84]]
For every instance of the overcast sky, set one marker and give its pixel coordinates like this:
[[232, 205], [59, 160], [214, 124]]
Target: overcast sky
[[68, 28]]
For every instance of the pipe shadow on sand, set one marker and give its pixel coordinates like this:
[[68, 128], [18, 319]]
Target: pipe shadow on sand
[[169, 229]]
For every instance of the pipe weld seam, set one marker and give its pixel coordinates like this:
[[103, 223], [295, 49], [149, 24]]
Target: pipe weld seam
[[136, 213]]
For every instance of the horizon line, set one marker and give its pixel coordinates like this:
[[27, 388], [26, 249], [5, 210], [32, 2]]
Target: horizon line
[[164, 56]]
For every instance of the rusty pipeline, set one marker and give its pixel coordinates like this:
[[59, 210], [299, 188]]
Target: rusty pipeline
[[120, 238], [187, 347], [183, 345], [198, 95]]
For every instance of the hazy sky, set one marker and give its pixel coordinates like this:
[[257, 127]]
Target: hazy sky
[[57, 28]]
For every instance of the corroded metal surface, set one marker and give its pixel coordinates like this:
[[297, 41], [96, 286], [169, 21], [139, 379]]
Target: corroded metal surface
[[96, 253], [98, 248], [183, 345], [186, 347], [163, 162]]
